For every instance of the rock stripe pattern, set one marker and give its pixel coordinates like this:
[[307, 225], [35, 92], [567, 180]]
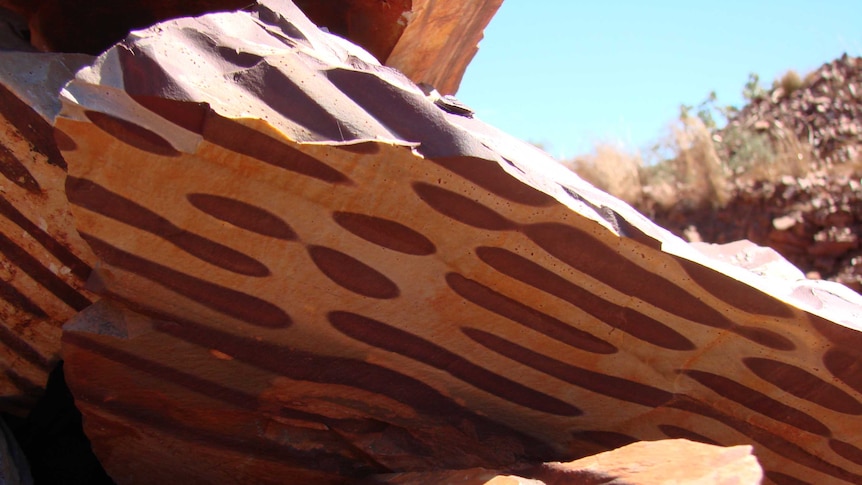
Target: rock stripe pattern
[[43, 263], [350, 274]]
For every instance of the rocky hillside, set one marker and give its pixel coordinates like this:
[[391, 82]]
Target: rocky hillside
[[812, 215]]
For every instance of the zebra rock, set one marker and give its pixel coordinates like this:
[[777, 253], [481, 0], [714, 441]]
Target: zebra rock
[[44, 262], [308, 270]]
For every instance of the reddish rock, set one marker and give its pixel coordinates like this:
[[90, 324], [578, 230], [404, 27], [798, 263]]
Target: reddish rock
[[43, 262], [311, 270]]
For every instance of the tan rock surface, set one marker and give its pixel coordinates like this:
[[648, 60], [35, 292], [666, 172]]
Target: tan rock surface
[[666, 462], [310, 268]]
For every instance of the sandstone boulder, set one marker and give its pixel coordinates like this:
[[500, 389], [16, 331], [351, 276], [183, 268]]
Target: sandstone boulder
[[309, 269]]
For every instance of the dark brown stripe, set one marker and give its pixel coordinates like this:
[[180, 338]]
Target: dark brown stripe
[[491, 177], [142, 415], [846, 366], [629, 230], [758, 402], [783, 479], [244, 215], [20, 301], [245, 307], [64, 143], [51, 282], [23, 348], [672, 431], [361, 148], [803, 384], [461, 209], [848, 451], [186, 114], [24, 384], [765, 337], [358, 374], [387, 337], [165, 373], [246, 141], [626, 319], [529, 317], [777, 444], [16, 172], [383, 232], [608, 440], [843, 337], [604, 384], [92, 196], [734, 292], [78, 267], [588, 254], [132, 134], [352, 274]]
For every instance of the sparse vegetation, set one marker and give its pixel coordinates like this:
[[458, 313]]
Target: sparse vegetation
[[697, 162]]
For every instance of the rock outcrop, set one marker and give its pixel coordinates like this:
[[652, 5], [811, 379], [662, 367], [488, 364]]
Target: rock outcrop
[[304, 269], [317, 272], [824, 110]]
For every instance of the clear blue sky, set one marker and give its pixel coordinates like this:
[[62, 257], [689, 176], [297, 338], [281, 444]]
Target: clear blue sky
[[567, 73]]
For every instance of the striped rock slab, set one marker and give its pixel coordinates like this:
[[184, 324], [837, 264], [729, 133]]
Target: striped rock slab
[[310, 271], [43, 262]]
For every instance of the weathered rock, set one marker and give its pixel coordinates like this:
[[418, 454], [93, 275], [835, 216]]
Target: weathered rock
[[431, 42], [310, 270], [43, 262], [645, 463], [825, 112]]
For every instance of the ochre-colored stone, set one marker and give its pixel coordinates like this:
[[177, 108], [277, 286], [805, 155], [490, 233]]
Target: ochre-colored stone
[[309, 268]]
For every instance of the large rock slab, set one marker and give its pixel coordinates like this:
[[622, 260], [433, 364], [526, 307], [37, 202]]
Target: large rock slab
[[43, 262], [309, 269]]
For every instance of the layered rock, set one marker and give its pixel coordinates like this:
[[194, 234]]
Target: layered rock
[[44, 263], [309, 269]]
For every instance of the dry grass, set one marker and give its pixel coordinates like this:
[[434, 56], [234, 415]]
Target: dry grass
[[612, 169], [692, 165]]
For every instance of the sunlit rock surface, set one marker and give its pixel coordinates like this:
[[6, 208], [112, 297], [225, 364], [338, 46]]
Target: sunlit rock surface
[[310, 271]]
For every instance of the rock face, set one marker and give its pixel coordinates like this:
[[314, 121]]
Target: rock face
[[308, 269], [44, 263], [431, 42], [645, 463]]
